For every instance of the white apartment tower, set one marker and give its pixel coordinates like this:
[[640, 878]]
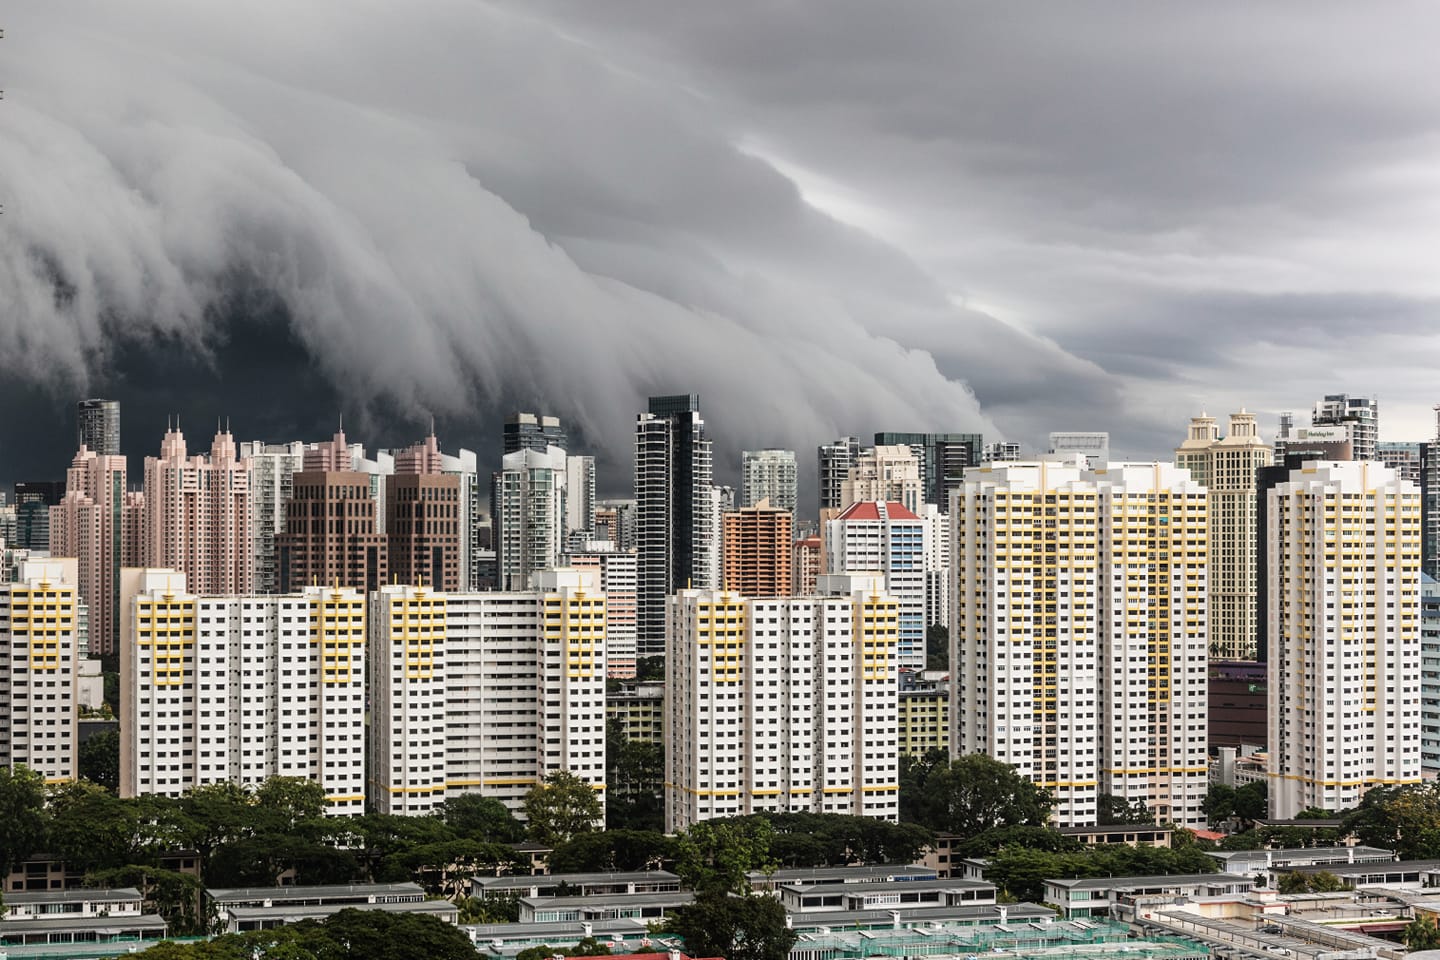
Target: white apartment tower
[[1360, 416], [272, 469], [485, 692], [241, 688], [528, 502], [1343, 609], [1228, 469], [1078, 634], [39, 618], [785, 705], [580, 495], [769, 475], [617, 569], [833, 462]]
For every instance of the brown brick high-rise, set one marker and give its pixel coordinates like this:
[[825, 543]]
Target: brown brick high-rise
[[422, 519], [331, 533], [758, 545]]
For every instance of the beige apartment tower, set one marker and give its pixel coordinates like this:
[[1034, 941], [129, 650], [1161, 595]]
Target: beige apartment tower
[[1228, 468]]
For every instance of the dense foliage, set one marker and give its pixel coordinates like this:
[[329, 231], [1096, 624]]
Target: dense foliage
[[243, 837], [348, 935], [970, 795]]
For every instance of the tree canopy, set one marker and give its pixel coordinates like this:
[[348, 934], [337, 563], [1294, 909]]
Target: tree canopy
[[971, 795], [560, 808], [348, 935]]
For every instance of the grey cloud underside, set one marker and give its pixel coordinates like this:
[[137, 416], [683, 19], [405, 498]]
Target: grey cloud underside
[[455, 211], [1210, 202]]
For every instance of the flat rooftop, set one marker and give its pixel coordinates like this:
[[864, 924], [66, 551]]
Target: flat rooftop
[[574, 879], [330, 892], [882, 887], [870, 872], [1163, 880], [70, 896]]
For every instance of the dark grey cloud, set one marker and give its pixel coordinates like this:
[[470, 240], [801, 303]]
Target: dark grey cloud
[[1168, 191], [456, 207], [825, 218]]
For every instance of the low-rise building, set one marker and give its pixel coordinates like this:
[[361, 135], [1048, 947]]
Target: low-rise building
[[639, 708], [77, 916], [835, 897], [1093, 897], [813, 876], [924, 720], [1269, 864], [264, 908], [631, 882]]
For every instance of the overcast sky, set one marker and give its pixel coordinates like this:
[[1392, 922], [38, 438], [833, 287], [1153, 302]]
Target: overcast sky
[[825, 217]]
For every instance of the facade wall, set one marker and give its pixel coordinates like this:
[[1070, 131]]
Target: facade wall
[[38, 637], [1078, 631], [1343, 566], [241, 688], [90, 524], [199, 516], [781, 704]]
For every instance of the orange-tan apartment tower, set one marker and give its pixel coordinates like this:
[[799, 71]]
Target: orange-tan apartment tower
[[331, 536], [805, 565], [756, 559], [198, 516], [422, 519], [89, 525]]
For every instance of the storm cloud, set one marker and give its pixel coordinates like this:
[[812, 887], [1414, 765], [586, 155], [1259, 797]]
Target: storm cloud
[[824, 218]]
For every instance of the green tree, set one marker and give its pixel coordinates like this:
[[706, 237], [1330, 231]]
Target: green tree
[[1111, 810], [937, 647], [734, 926], [91, 828], [561, 807], [914, 773], [718, 855], [99, 759], [1219, 803], [977, 793], [1325, 882], [634, 771], [173, 895], [1405, 819], [612, 850], [292, 799], [1422, 934], [486, 819], [1252, 801], [22, 820], [650, 668]]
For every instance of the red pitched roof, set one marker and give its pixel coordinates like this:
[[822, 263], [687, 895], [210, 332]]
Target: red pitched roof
[[870, 510]]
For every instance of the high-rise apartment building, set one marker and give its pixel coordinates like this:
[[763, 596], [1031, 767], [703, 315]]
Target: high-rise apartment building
[[758, 546], [1343, 605], [1078, 634], [889, 474], [1095, 444], [580, 496], [528, 500], [1229, 469], [333, 535], [272, 475], [677, 521], [617, 569], [786, 705], [485, 692], [98, 426], [423, 519], [805, 567], [943, 458], [39, 620], [96, 524], [528, 431], [876, 538], [1429, 676], [199, 515], [238, 689], [1430, 501], [1000, 451], [1360, 416], [835, 460], [1401, 456], [769, 475], [33, 500]]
